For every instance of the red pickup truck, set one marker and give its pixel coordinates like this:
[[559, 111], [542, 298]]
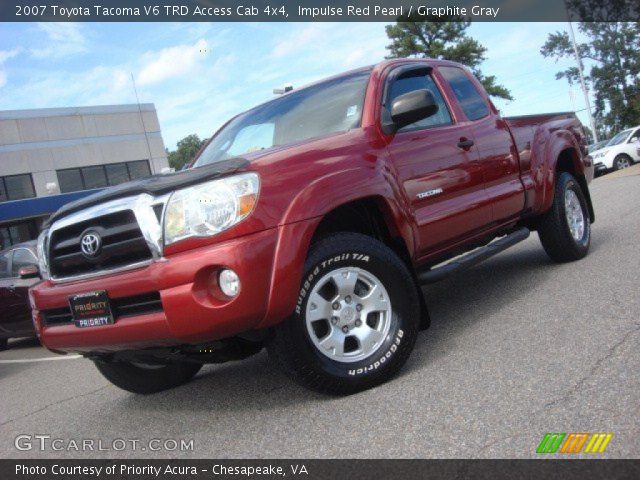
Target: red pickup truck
[[307, 225]]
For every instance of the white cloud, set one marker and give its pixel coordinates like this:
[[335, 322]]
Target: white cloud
[[177, 61], [4, 56], [7, 54], [298, 40], [333, 44], [63, 40]]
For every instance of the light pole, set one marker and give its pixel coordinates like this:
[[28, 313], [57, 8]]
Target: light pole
[[581, 75]]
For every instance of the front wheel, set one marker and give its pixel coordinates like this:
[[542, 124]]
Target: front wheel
[[565, 230], [4, 344], [356, 319], [621, 162], [147, 378]]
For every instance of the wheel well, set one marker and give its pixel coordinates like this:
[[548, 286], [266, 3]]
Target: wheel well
[[365, 216], [567, 163], [369, 216]]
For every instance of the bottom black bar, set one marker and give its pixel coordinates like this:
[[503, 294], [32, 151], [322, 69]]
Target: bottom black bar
[[318, 469]]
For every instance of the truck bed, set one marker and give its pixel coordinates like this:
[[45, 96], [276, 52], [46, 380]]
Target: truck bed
[[523, 127]]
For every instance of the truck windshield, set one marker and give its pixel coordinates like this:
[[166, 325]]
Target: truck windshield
[[619, 138], [327, 107]]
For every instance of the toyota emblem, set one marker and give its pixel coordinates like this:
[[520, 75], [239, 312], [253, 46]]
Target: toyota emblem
[[90, 244]]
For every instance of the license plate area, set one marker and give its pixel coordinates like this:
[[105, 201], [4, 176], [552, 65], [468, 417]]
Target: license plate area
[[91, 309]]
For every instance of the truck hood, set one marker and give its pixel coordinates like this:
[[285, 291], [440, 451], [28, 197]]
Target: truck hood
[[154, 185]]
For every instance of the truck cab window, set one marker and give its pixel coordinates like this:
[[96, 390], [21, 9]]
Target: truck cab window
[[251, 139], [420, 81], [328, 107], [471, 102]]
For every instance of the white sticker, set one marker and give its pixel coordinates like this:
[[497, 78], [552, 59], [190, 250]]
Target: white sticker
[[352, 110]]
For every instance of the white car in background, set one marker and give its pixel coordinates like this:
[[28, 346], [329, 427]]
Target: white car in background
[[620, 152]]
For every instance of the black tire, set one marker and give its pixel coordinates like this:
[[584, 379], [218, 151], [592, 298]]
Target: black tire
[[553, 229], [622, 161], [4, 344], [290, 343], [145, 380]]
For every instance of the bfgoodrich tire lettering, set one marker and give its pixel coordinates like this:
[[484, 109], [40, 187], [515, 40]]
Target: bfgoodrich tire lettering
[[292, 344]]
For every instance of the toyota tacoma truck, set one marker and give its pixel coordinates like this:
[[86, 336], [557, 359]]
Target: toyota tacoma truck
[[307, 225]]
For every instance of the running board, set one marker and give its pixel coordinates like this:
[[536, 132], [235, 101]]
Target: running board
[[470, 259]]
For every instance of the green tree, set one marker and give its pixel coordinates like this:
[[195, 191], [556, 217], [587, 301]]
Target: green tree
[[415, 36], [612, 50], [186, 151]]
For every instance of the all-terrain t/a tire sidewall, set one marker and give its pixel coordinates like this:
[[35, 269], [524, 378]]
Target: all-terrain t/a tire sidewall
[[354, 250]]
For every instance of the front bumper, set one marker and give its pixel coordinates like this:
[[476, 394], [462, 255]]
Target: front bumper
[[194, 310], [600, 167]]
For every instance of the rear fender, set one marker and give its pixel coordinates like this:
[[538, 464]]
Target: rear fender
[[545, 162]]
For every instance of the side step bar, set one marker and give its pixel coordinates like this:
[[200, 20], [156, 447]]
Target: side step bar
[[476, 256]]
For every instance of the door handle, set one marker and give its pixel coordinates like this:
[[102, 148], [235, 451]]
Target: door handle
[[465, 143]]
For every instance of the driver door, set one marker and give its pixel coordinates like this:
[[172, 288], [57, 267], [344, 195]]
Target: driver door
[[437, 166]]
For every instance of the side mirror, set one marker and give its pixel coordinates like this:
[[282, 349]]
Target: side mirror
[[411, 107], [634, 140], [29, 271]]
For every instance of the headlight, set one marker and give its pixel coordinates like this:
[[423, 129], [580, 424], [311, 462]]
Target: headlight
[[601, 154], [41, 251], [209, 208]]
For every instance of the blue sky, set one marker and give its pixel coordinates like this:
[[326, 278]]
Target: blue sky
[[200, 74]]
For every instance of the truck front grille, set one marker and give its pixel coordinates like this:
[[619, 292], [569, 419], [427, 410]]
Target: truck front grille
[[121, 307], [121, 243]]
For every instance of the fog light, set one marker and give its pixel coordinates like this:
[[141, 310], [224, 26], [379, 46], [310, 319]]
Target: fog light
[[229, 282]]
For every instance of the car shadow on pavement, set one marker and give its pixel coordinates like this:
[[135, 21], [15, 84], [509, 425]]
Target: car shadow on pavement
[[465, 299], [455, 304]]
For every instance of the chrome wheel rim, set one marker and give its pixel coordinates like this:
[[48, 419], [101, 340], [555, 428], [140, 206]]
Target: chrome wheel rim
[[575, 216], [348, 314]]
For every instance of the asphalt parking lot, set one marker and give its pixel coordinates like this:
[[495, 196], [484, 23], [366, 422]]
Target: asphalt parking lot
[[518, 347]]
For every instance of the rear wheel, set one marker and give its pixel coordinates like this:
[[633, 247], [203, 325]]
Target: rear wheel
[[621, 162], [356, 320], [147, 378], [565, 230]]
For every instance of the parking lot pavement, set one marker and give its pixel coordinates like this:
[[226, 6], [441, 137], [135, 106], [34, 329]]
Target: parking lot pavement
[[518, 347], [632, 170]]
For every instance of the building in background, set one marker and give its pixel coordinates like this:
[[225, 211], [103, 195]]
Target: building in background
[[51, 156]]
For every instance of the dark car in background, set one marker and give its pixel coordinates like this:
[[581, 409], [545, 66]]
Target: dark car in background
[[18, 272]]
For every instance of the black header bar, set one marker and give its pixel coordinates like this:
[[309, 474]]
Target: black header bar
[[315, 10], [319, 469]]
